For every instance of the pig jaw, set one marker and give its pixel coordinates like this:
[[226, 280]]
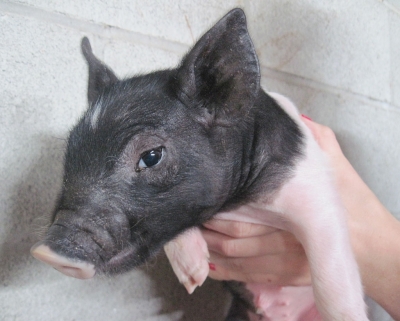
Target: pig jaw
[[75, 268]]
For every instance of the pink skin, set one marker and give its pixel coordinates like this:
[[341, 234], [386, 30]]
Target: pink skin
[[307, 206], [189, 255], [278, 303]]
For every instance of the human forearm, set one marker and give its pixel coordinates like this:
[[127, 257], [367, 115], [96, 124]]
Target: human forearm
[[379, 261], [375, 238]]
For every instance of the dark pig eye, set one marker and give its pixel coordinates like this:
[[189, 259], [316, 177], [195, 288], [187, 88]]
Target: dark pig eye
[[151, 158]]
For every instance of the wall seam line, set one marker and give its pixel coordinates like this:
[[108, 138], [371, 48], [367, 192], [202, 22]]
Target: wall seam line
[[112, 32], [309, 83], [103, 30]]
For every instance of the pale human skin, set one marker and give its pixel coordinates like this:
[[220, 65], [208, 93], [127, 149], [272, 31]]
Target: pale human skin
[[257, 253]]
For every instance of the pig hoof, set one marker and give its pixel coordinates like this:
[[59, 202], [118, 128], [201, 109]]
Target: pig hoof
[[69, 267], [195, 279]]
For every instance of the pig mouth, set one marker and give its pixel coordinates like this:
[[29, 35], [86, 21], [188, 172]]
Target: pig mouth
[[125, 260]]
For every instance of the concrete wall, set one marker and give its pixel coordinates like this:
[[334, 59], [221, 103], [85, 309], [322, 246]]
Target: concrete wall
[[337, 60]]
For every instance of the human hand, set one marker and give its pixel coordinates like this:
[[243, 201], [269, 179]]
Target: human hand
[[255, 253]]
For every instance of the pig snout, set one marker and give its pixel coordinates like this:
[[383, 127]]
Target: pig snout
[[68, 249], [79, 246], [75, 268]]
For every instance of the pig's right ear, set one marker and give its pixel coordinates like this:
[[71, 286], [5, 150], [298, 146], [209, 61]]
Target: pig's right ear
[[221, 74], [100, 76]]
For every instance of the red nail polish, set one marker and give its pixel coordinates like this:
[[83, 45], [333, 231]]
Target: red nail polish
[[306, 117], [212, 266]]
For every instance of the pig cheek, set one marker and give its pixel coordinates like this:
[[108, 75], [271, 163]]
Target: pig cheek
[[163, 177]]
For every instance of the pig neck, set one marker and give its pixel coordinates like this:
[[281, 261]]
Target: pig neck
[[269, 152]]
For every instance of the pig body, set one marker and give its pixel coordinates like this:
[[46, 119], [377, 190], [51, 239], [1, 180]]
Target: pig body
[[157, 155], [307, 206]]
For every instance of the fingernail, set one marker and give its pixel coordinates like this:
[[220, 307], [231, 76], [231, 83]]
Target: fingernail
[[306, 117], [212, 266]]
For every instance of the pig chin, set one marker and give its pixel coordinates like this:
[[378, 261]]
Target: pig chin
[[123, 261]]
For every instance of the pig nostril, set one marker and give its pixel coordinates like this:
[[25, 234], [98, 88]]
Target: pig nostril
[[73, 270], [67, 266]]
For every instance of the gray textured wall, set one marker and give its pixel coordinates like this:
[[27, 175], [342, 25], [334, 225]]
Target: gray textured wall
[[338, 61]]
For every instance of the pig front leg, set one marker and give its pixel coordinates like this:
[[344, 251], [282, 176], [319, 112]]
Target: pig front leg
[[188, 256]]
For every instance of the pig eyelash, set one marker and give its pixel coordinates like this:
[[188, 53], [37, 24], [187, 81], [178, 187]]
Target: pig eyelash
[[150, 158]]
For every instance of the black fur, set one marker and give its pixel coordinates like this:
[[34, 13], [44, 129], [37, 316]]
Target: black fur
[[225, 142]]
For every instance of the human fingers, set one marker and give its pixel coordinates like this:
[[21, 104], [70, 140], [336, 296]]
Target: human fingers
[[272, 243], [238, 229], [324, 136]]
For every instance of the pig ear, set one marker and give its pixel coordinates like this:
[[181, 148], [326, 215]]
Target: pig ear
[[100, 76], [221, 72]]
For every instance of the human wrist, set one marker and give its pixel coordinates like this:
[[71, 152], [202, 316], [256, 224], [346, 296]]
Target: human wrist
[[379, 260]]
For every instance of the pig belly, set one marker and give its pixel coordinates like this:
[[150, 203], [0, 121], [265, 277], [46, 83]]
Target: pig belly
[[288, 303]]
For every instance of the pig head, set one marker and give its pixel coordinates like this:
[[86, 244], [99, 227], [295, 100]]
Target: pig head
[[157, 154]]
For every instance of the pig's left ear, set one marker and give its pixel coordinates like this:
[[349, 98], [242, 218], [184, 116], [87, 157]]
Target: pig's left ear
[[100, 76], [221, 74]]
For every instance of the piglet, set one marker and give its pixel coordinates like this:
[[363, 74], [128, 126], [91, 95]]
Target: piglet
[[157, 155]]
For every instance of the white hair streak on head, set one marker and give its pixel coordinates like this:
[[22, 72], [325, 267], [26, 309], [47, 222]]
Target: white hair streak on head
[[95, 112]]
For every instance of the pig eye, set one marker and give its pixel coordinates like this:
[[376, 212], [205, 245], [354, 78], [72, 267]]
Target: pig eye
[[151, 158]]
